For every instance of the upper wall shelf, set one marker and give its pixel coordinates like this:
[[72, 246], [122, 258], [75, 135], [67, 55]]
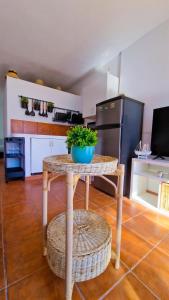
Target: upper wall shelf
[[44, 107]]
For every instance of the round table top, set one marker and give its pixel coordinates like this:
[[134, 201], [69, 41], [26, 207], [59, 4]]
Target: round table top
[[64, 164]]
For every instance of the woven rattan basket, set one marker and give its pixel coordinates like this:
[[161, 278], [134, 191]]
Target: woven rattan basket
[[91, 245]]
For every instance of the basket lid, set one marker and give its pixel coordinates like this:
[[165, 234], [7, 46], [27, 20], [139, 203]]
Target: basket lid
[[91, 232]]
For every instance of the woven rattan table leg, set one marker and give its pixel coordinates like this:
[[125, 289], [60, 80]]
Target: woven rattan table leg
[[119, 215], [87, 192], [69, 235], [44, 209]]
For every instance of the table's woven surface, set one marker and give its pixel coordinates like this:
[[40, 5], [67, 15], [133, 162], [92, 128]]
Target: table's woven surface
[[63, 163]]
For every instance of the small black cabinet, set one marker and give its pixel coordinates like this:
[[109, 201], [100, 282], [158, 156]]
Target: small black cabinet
[[14, 158]]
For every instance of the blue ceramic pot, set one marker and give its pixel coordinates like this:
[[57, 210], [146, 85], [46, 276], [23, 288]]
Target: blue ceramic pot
[[82, 155]]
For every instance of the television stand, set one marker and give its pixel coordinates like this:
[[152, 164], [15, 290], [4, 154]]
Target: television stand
[[148, 177], [159, 156]]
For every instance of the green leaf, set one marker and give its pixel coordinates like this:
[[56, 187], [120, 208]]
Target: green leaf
[[81, 136]]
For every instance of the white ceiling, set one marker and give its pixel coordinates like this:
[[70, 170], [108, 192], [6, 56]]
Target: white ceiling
[[61, 40]]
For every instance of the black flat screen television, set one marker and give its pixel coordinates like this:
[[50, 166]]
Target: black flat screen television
[[160, 132]]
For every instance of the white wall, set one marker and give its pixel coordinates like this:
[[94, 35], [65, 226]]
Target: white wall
[[16, 87], [94, 88], [144, 75], [1, 120]]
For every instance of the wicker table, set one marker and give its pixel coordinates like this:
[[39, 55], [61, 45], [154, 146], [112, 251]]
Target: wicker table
[[55, 166]]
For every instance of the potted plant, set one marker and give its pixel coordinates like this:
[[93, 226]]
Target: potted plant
[[36, 105], [50, 107], [24, 102], [82, 141]]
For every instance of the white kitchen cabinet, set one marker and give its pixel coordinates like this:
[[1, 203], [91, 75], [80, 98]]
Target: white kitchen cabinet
[[59, 146], [43, 147]]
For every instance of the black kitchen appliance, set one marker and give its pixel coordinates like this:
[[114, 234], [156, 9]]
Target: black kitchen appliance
[[91, 125], [119, 124]]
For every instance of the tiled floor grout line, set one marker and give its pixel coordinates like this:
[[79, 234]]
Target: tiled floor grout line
[[128, 271], [137, 215], [26, 276], [129, 219], [154, 247], [131, 271], [80, 292], [139, 235], [3, 250], [147, 287], [114, 285]]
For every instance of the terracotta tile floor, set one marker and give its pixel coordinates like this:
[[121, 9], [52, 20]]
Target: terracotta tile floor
[[24, 273]]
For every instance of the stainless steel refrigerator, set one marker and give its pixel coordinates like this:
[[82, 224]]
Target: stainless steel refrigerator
[[119, 125]]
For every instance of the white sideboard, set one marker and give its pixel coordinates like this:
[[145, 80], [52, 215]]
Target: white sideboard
[[43, 147], [39, 146], [146, 178]]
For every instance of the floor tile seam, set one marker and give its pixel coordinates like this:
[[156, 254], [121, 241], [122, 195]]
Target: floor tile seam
[[34, 213], [109, 205], [146, 286], [109, 215], [12, 204], [3, 246], [146, 254], [114, 285], [80, 291], [25, 277], [137, 215], [6, 292], [142, 258], [2, 289], [140, 236], [142, 213], [159, 242]]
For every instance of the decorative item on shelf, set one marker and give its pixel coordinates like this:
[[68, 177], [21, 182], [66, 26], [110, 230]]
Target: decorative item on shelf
[[142, 151], [50, 106], [164, 196], [40, 110], [27, 112], [43, 111], [36, 105], [69, 116], [39, 81], [12, 73], [32, 113], [80, 119], [60, 117], [77, 118], [24, 102], [82, 141], [46, 109], [162, 174], [59, 88]]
